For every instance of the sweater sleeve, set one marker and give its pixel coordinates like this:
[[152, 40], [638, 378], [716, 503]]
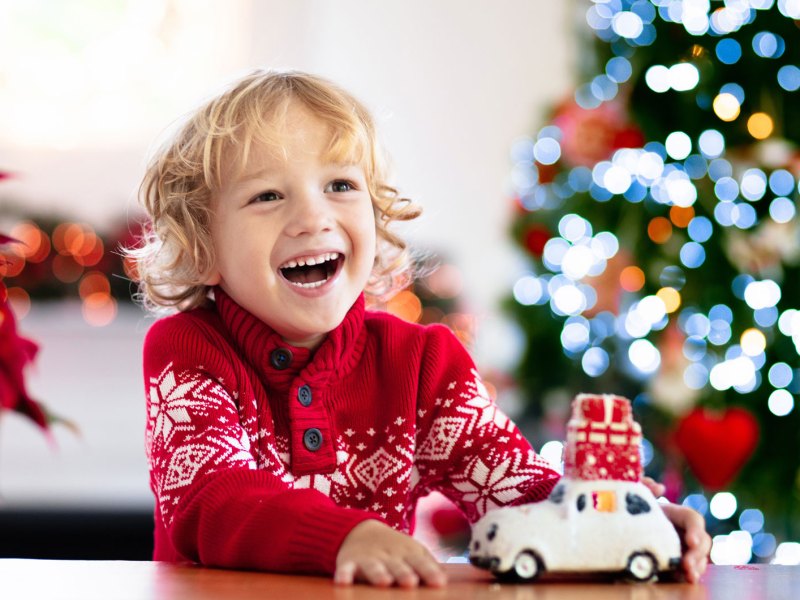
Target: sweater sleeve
[[214, 503], [467, 448]]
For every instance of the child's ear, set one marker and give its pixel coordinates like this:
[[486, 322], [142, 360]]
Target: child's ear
[[211, 277]]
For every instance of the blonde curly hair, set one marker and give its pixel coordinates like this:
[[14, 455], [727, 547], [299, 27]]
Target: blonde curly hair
[[176, 253]]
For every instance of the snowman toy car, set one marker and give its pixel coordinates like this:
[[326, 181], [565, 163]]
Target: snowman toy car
[[598, 518]]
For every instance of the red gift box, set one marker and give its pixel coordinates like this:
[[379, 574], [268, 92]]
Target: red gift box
[[603, 440]]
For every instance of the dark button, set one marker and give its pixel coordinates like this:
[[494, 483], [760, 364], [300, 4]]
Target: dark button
[[280, 358], [304, 395], [312, 439]]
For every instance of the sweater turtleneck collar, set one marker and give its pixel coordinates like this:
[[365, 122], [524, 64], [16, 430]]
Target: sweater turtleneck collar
[[264, 348]]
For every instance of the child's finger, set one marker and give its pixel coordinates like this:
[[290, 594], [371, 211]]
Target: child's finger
[[402, 573], [429, 570], [656, 488], [345, 573], [376, 573]]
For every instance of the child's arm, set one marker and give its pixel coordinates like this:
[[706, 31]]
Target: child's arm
[[467, 448], [214, 506]]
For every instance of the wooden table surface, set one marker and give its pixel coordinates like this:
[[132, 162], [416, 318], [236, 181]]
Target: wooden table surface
[[23, 579]]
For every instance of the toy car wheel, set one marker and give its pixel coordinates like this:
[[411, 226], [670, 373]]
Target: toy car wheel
[[642, 566], [527, 566]]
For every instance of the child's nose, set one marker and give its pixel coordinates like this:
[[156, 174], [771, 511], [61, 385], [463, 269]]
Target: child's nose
[[310, 213]]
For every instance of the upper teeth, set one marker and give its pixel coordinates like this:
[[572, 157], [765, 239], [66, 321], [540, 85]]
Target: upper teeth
[[310, 260]]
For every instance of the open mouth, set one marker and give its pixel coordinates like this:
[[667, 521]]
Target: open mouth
[[311, 271]]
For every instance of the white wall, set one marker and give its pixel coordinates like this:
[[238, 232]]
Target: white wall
[[452, 82]]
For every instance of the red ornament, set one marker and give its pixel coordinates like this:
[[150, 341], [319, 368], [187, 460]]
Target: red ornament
[[535, 238], [449, 522], [591, 135], [717, 445]]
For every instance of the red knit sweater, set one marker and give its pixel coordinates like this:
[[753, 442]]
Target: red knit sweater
[[265, 456]]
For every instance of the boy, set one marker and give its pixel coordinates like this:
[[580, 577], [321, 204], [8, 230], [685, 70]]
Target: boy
[[290, 429]]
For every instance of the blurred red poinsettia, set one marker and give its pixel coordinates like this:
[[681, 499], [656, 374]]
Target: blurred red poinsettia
[[15, 353]]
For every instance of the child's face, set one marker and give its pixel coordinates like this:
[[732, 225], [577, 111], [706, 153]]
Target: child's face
[[294, 235]]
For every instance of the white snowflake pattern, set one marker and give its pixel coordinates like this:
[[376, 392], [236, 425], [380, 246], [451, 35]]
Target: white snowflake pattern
[[484, 487]]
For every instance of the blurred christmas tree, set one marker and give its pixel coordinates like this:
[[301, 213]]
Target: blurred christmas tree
[[658, 208]]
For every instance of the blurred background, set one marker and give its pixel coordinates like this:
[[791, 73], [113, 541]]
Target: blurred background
[[610, 196]]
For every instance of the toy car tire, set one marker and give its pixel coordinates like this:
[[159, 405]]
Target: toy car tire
[[527, 566], [642, 566]]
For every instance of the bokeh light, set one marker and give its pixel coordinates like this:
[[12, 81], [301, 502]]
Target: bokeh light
[[726, 107], [405, 305], [20, 301], [659, 230], [99, 309], [631, 279], [723, 505], [670, 297], [780, 403], [760, 125]]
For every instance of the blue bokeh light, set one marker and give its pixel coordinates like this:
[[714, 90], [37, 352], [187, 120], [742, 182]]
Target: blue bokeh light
[[780, 375], [603, 87], [693, 255], [719, 168], [700, 229], [696, 502], [595, 362], [580, 178], [782, 210], [721, 312], [754, 184], [726, 189], [789, 78], [768, 45], [781, 182], [619, 69], [744, 215], [697, 326], [728, 51], [724, 213], [696, 166], [735, 90], [695, 376], [766, 317]]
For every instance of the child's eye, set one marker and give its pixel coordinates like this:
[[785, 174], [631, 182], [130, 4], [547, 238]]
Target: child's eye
[[340, 185], [266, 197]]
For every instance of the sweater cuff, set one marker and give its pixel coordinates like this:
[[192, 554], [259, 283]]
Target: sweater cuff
[[319, 534], [539, 491]]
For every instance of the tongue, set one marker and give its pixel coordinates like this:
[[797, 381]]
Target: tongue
[[307, 274]]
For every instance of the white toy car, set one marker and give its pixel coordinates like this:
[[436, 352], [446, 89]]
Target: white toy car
[[584, 526]]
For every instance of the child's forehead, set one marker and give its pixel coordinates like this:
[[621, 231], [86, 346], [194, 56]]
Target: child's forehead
[[296, 132]]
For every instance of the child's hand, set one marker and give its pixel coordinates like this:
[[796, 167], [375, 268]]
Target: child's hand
[[692, 528], [375, 553]]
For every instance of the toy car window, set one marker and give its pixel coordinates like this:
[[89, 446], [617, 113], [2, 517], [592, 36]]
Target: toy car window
[[635, 504], [581, 502], [604, 501], [557, 495]]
